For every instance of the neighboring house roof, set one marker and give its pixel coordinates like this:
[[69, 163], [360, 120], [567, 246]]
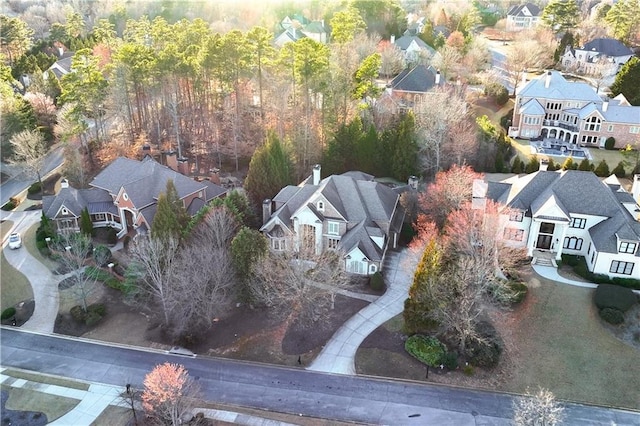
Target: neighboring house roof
[[559, 88], [289, 35], [607, 46], [62, 66], [573, 192], [367, 206], [417, 79], [316, 27], [524, 10], [405, 41], [441, 29], [75, 200]]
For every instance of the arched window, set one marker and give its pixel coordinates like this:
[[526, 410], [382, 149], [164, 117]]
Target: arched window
[[592, 124], [372, 269], [572, 243]]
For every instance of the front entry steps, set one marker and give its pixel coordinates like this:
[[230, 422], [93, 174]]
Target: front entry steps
[[544, 259]]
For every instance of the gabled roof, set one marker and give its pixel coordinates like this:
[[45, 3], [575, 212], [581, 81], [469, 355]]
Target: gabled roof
[[405, 41], [559, 88], [315, 27], [143, 180], [367, 206], [75, 200], [418, 79], [607, 46], [622, 114], [524, 10], [62, 66], [532, 107]]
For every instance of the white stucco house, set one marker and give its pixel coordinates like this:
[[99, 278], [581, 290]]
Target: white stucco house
[[572, 212], [603, 56], [350, 213]]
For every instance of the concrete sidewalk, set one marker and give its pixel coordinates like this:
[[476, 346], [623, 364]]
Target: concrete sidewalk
[[43, 283], [338, 355]]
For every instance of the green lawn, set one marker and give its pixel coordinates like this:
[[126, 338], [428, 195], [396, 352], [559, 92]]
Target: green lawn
[[29, 241], [46, 379], [14, 286], [52, 406]]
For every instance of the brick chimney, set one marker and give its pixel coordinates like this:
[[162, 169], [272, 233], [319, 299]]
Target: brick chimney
[[266, 210], [183, 166], [214, 175], [172, 160], [316, 174]]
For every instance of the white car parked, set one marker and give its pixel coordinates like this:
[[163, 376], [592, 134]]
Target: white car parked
[[15, 242]]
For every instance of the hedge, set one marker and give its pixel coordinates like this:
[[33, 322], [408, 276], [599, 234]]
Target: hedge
[[10, 312], [612, 315], [582, 270], [425, 349], [376, 282]]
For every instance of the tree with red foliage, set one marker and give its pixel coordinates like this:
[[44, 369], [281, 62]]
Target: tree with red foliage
[[168, 393]]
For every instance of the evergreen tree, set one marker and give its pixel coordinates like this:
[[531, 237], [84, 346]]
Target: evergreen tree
[[561, 15], [418, 305], [270, 170], [533, 165], [552, 166], [86, 226], [603, 169], [619, 170], [517, 165], [171, 217], [368, 152], [246, 248], [627, 81], [341, 153], [623, 19], [402, 148], [585, 165], [569, 164]]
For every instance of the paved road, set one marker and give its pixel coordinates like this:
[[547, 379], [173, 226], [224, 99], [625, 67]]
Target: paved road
[[339, 397], [20, 181]]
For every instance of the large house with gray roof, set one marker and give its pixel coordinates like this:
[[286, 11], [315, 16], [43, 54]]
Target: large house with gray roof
[[571, 212], [552, 107], [602, 56], [523, 17], [350, 213], [124, 196]]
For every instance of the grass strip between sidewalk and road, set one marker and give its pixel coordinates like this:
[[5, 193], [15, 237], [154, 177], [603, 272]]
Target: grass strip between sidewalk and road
[[46, 379]]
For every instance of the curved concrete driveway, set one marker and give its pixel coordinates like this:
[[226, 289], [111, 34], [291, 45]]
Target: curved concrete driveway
[[339, 353], [43, 283]]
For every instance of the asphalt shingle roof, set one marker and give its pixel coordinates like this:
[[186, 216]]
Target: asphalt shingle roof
[[75, 200], [559, 88], [607, 46], [417, 79], [518, 10]]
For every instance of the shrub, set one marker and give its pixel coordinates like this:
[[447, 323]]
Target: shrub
[[112, 236], [78, 314], [485, 353], [619, 170], [585, 165], [92, 319], [571, 260], [519, 290], [35, 188], [610, 143], [517, 165], [569, 164], [505, 120], [497, 92], [626, 282], [533, 165], [102, 255], [425, 349], [10, 312], [612, 315], [11, 204], [450, 360], [415, 318], [376, 282], [602, 170], [97, 308], [615, 297], [468, 370], [552, 166]]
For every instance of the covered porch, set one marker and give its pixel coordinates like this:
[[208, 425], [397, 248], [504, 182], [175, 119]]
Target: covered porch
[[545, 239]]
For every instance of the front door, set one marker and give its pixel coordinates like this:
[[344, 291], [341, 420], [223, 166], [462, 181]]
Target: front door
[[545, 236]]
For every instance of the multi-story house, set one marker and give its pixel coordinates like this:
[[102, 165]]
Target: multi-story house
[[601, 56], [350, 213], [523, 17], [571, 212], [572, 112], [124, 196]]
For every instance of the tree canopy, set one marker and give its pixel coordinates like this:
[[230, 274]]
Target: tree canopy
[[627, 81], [561, 15]]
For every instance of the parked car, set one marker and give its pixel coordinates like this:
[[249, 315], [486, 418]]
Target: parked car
[[15, 241]]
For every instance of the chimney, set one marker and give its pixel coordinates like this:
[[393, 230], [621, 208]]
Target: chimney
[[266, 210], [524, 76], [64, 183], [393, 39], [60, 51], [184, 166], [322, 23], [413, 182], [544, 164], [635, 188], [214, 175], [605, 105], [316, 174], [172, 160], [437, 77], [479, 194], [547, 80]]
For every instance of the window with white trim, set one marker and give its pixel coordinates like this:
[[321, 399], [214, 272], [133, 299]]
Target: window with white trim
[[513, 234], [592, 124], [279, 244], [610, 128], [634, 129], [572, 243], [320, 206], [626, 247], [99, 217], [372, 268], [64, 210], [333, 228], [356, 267], [332, 243], [578, 222], [617, 267], [125, 196], [516, 216]]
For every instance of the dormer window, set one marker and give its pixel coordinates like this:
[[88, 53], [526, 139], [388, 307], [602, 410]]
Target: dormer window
[[333, 228], [626, 247], [320, 206]]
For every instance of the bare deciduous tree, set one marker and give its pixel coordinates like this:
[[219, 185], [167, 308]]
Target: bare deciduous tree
[[71, 251], [29, 151], [538, 409], [299, 285], [169, 394]]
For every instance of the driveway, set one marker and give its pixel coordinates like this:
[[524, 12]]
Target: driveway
[[43, 282], [339, 353]]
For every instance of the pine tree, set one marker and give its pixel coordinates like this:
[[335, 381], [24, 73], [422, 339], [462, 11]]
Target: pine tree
[[516, 167], [619, 170], [585, 165], [270, 170], [171, 217], [552, 166], [533, 165], [603, 169]]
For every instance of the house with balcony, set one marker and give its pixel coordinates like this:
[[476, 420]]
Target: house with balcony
[[600, 56], [523, 17], [350, 213], [572, 212], [124, 196], [551, 107]]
